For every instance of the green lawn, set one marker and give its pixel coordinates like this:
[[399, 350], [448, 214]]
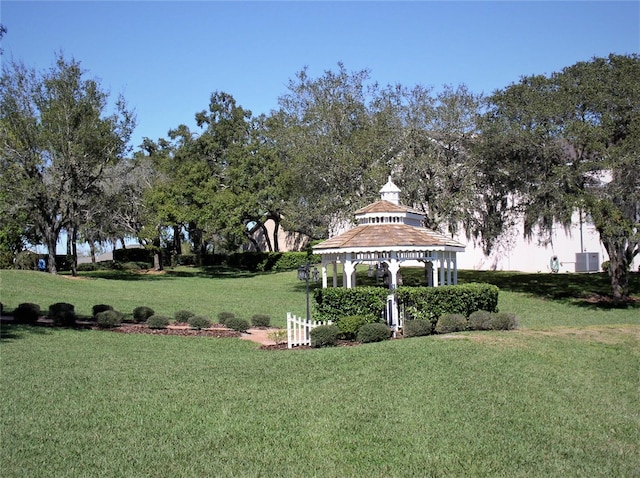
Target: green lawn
[[558, 397]]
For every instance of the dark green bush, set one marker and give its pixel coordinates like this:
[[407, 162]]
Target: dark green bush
[[157, 322], [376, 332], [96, 309], [108, 318], [183, 315], [62, 314], [260, 320], [417, 328], [451, 323], [480, 320], [199, 322], [324, 336], [350, 325], [26, 313], [504, 321], [430, 303], [336, 302], [224, 316], [237, 324], [142, 314]]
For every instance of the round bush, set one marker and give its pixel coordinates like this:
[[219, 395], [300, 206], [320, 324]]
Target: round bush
[[451, 323], [63, 314], [417, 328], [324, 336], [183, 315], [260, 320], [503, 321], [96, 309], [480, 320], [350, 325], [157, 322], [142, 314], [108, 318], [376, 332], [224, 316], [199, 322], [237, 324], [26, 313]]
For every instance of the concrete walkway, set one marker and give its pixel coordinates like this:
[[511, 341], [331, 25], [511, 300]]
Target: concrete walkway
[[260, 336]]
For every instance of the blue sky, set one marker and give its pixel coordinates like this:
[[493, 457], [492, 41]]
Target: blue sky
[[167, 57]]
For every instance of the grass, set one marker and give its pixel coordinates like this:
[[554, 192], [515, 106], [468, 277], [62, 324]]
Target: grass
[[559, 397], [203, 291], [89, 403]]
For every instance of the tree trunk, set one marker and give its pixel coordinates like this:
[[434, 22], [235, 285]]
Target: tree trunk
[[267, 240], [92, 248], [618, 269], [157, 255], [276, 229], [51, 261], [74, 252]]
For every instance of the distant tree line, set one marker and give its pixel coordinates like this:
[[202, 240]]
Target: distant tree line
[[539, 149]]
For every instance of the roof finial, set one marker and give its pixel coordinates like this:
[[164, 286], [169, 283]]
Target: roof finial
[[390, 192]]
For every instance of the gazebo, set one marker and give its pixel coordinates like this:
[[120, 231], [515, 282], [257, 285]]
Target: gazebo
[[387, 236]]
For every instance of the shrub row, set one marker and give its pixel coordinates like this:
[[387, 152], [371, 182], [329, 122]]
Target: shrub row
[[448, 323], [431, 303]]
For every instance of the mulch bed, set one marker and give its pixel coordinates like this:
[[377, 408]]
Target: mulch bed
[[180, 331]]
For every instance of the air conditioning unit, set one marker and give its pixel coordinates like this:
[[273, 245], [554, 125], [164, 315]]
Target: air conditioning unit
[[587, 261]]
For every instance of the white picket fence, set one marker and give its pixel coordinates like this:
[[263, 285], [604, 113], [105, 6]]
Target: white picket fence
[[299, 330]]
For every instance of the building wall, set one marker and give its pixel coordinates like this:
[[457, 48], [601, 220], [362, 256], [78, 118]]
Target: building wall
[[514, 252]]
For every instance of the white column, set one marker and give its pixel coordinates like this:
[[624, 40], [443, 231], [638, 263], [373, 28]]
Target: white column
[[394, 267], [348, 271], [455, 268], [449, 279], [335, 274], [441, 281], [324, 274], [428, 267]]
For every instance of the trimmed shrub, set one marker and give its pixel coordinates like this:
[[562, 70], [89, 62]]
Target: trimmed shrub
[[224, 316], [96, 309], [260, 320], [431, 303], [480, 320], [26, 313], [183, 315], [504, 321], [376, 332], [237, 324], [63, 314], [451, 323], [108, 318], [350, 325], [142, 314], [324, 336], [199, 322], [157, 322], [334, 303], [417, 328]]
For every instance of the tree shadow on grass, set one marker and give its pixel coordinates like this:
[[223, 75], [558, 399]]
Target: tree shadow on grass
[[10, 332], [213, 272], [584, 290]]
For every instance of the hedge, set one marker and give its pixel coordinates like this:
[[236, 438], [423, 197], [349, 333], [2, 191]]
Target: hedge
[[334, 303], [430, 303]]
